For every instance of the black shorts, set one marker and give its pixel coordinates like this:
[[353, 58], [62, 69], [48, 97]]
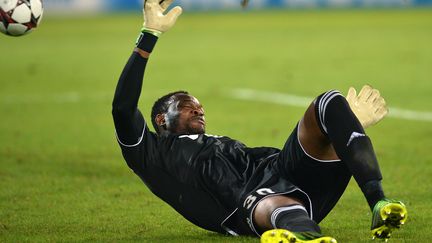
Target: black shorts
[[317, 183]]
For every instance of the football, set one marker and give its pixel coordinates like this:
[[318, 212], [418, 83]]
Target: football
[[19, 17]]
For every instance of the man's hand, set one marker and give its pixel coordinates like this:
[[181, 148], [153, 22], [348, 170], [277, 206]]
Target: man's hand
[[368, 105], [155, 21]]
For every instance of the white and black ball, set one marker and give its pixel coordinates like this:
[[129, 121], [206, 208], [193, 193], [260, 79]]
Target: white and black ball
[[19, 17]]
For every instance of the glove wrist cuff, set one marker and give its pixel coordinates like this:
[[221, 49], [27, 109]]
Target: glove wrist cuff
[[154, 32], [146, 41]]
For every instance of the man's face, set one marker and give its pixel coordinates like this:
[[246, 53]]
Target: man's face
[[185, 115]]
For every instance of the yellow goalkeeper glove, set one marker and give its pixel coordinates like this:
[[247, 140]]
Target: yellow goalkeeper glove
[[156, 21], [369, 106]]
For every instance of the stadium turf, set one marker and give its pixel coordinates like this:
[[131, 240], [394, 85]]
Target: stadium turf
[[62, 177]]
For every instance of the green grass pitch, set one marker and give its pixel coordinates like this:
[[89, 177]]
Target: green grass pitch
[[62, 177]]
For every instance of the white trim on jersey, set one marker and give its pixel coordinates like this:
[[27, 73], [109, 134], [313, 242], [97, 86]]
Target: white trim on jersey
[[133, 145], [310, 156], [277, 211], [230, 231], [195, 136]]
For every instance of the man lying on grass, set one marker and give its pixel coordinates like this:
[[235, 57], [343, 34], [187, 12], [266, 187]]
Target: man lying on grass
[[222, 185]]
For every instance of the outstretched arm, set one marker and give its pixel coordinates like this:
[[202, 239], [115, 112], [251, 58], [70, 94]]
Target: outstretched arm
[[128, 120]]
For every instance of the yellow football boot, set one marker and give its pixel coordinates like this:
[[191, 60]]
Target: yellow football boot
[[286, 236], [387, 216]]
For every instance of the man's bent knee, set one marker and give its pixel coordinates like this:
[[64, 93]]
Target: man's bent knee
[[265, 208], [312, 134]]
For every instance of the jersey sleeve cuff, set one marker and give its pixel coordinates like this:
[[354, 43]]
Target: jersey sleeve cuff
[[146, 42]]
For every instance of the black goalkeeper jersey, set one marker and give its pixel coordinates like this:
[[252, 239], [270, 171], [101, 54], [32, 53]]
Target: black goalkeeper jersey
[[201, 176]]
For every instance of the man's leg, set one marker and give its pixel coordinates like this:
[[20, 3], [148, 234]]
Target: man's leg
[[289, 219], [330, 130]]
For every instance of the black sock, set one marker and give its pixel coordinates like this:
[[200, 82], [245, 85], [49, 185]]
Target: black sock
[[350, 142], [373, 192], [295, 219], [368, 173]]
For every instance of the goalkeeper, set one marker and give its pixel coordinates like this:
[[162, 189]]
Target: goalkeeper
[[222, 185]]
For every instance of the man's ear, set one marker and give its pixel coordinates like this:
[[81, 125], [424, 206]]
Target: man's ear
[[160, 120]]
